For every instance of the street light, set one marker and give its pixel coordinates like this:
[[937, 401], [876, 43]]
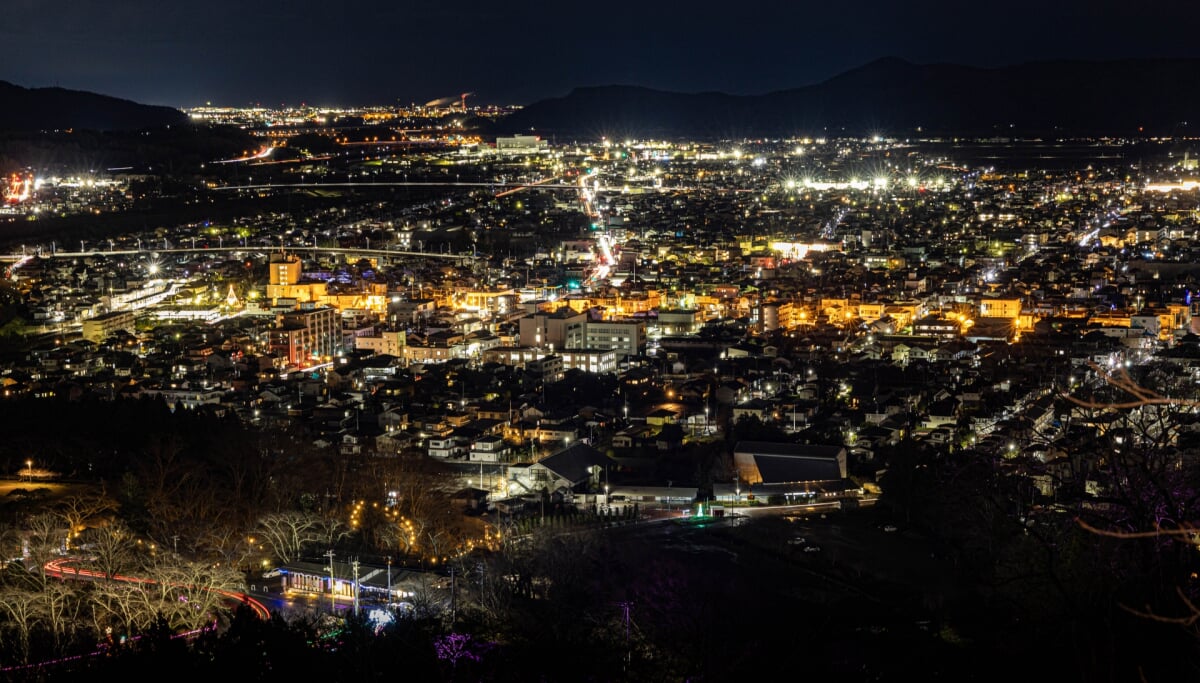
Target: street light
[[29, 470]]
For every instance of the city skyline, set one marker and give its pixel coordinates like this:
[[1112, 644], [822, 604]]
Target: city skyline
[[373, 53], [335, 344]]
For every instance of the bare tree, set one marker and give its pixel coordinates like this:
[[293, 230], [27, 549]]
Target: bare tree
[[287, 533], [61, 606], [22, 609], [113, 548], [1151, 476], [45, 538], [231, 547], [122, 607], [77, 511], [190, 594]]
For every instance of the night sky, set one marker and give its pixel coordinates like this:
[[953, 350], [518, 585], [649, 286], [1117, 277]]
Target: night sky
[[358, 52]]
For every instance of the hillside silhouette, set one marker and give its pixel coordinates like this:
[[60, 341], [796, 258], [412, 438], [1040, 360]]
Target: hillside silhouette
[[897, 98]]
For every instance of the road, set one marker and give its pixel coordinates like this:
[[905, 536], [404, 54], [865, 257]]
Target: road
[[63, 568]]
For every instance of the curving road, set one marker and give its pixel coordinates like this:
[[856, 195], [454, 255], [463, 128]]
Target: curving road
[[59, 568]]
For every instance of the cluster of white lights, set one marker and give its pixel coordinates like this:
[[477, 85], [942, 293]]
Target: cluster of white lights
[[880, 183]]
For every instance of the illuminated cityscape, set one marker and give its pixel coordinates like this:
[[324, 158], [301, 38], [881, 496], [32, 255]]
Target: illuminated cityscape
[[446, 388]]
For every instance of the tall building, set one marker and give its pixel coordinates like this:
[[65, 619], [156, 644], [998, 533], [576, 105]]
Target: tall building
[[305, 336], [285, 269], [284, 280]]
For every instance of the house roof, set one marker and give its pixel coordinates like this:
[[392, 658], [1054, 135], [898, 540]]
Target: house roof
[[572, 463], [777, 469], [793, 450]]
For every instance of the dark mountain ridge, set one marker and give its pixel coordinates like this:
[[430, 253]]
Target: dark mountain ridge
[[48, 109], [894, 97]]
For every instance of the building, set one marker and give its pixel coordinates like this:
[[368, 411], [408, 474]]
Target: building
[[284, 280], [104, 326], [306, 335], [521, 144], [497, 302], [490, 448], [598, 361], [347, 582], [548, 368], [405, 311], [624, 337], [937, 327], [999, 308], [389, 343], [284, 270], [559, 330], [800, 472], [680, 321], [516, 356], [188, 399], [578, 464]]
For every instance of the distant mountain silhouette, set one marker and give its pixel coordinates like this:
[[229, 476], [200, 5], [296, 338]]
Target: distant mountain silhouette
[[32, 109], [894, 97]]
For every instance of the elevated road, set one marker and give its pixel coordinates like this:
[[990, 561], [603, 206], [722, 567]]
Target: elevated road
[[152, 253]]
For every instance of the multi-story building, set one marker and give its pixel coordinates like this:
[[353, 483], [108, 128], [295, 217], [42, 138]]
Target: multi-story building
[[680, 321], [999, 308], [447, 446], [937, 326], [103, 326], [391, 343], [487, 303], [284, 280], [562, 329], [306, 335], [516, 356], [548, 368], [490, 448], [625, 337], [403, 311], [597, 361]]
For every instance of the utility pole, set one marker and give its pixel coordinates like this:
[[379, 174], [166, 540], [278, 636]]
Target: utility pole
[[354, 564], [389, 578], [453, 597], [332, 600], [625, 605]]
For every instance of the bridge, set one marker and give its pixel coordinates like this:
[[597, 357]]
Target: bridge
[[153, 253], [538, 184]]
